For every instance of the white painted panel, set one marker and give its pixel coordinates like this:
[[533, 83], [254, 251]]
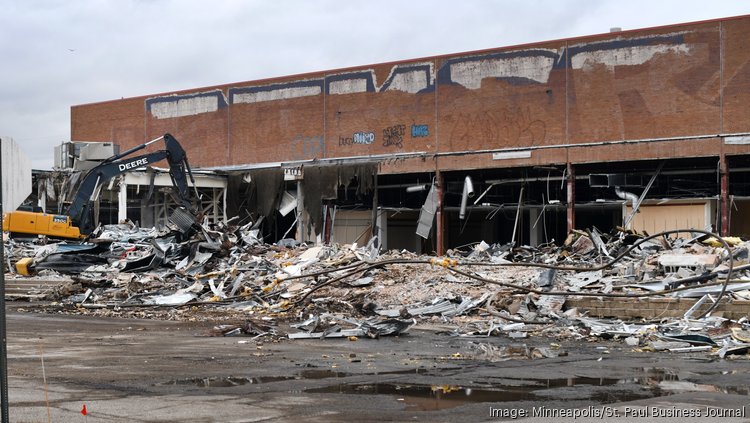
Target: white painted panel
[[471, 73], [348, 86], [279, 94], [409, 82], [525, 154], [162, 179], [16, 174], [628, 56], [738, 140], [185, 107]]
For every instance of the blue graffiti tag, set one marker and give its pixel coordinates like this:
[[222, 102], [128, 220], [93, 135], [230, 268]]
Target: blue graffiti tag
[[420, 131]]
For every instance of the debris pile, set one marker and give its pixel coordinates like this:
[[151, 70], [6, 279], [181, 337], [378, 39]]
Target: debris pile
[[360, 292]]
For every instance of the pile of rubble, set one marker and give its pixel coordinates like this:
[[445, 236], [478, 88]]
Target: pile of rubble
[[351, 291]]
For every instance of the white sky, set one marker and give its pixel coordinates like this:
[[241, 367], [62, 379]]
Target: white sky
[[56, 54]]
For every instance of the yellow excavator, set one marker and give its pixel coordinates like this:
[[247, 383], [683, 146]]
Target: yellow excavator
[[78, 222]]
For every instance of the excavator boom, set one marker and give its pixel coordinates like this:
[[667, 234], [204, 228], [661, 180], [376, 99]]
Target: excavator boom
[[77, 222]]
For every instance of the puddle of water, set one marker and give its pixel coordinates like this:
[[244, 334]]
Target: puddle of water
[[430, 397], [667, 380], [427, 397], [649, 382]]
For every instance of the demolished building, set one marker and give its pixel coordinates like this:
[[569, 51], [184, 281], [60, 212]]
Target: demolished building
[[553, 136], [560, 184]]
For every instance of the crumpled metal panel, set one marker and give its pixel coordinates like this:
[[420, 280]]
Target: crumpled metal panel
[[427, 215]]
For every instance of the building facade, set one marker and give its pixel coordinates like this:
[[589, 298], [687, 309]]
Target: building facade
[[552, 136]]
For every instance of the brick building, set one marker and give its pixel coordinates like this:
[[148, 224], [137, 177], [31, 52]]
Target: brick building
[[520, 143]]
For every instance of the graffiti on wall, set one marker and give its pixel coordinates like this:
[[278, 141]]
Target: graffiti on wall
[[307, 147], [362, 137], [394, 135], [512, 127], [419, 131]]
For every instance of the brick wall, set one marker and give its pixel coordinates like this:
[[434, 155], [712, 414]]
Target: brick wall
[[680, 81]]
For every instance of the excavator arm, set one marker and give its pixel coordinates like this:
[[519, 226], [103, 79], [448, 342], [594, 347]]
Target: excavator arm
[[78, 218]]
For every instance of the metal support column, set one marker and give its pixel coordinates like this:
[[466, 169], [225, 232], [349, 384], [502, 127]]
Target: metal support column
[[327, 221], [724, 202], [571, 197], [301, 214], [439, 214], [374, 229], [3, 333], [122, 201]]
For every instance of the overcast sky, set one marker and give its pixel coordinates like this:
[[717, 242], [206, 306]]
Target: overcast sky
[[61, 53]]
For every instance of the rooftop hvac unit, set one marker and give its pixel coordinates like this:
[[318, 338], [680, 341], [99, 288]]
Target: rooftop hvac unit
[[98, 151]]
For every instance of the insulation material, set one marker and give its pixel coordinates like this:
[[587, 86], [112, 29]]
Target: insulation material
[[322, 182]]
